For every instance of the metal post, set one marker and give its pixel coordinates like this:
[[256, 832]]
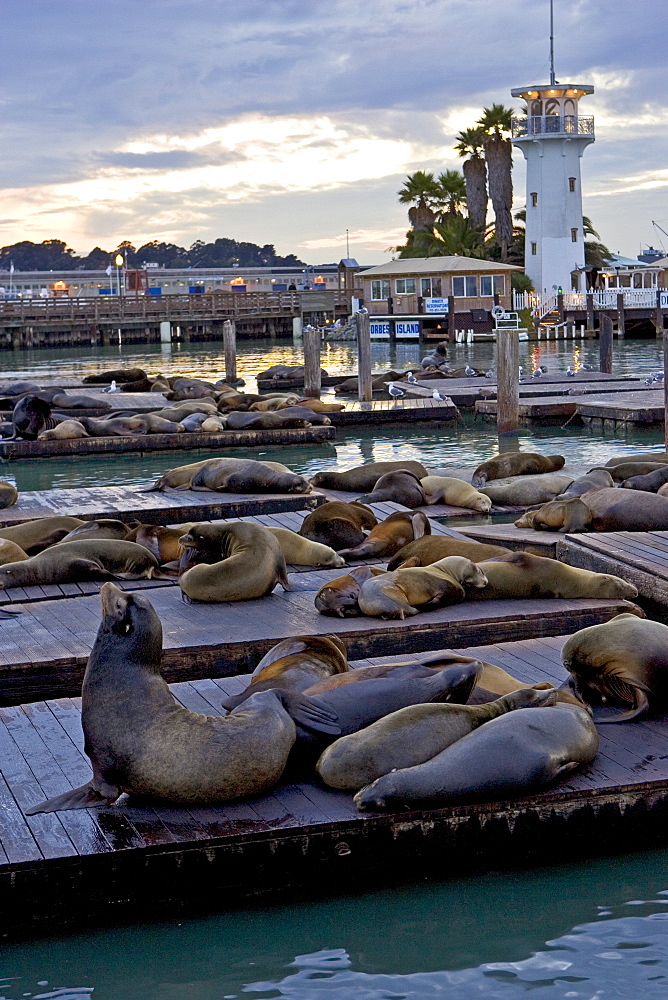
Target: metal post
[[508, 395], [590, 314], [605, 344], [621, 319], [230, 348], [364, 388], [311, 362]]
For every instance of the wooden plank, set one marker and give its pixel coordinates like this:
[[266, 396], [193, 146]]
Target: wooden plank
[[541, 543], [639, 557]]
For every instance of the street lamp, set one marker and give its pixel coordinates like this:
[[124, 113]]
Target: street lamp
[[119, 261]]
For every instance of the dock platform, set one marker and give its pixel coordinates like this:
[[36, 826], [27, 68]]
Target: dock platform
[[641, 557], [94, 866]]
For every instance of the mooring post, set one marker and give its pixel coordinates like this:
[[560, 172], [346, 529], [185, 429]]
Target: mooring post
[[665, 386], [311, 362], [621, 318], [230, 348], [658, 315], [605, 344], [364, 390], [590, 314], [507, 383]]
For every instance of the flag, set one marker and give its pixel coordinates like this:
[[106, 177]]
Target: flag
[[11, 267], [108, 271]]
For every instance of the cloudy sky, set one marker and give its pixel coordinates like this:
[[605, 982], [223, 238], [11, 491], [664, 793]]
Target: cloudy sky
[[285, 122]]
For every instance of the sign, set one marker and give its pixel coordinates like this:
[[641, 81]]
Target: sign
[[407, 329], [664, 300], [379, 329], [436, 305]]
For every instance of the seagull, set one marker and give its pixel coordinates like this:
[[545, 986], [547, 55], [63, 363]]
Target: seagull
[[537, 374], [394, 390], [112, 388], [469, 371], [490, 373], [543, 368], [521, 371], [570, 372], [658, 376], [410, 377], [439, 395], [588, 368], [648, 381]]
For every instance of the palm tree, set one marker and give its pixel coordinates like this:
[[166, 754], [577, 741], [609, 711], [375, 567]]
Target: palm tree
[[422, 189], [471, 143], [452, 192], [495, 122], [455, 237]]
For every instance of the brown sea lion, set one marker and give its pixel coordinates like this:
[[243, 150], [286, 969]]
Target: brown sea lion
[[67, 430], [239, 421], [294, 665], [651, 483], [118, 375], [338, 524], [244, 475], [404, 591], [627, 510], [593, 480], [455, 492], [624, 470], [153, 424], [162, 542], [365, 477], [11, 552], [86, 559], [252, 564], [435, 661], [566, 516], [412, 736], [392, 534], [113, 426], [340, 596], [519, 491], [182, 474], [102, 527], [213, 425], [32, 415], [33, 536], [428, 550], [8, 494], [140, 740], [623, 661], [177, 413], [522, 575], [512, 755], [401, 487], [516, 463], [317, 419], [643, 456], [274, 403], [300, 551], [321, 406]]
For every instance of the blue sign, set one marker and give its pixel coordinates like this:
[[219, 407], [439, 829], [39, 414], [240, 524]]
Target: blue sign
[[436, 305], [379, 329], [664, 300], [407, 329]]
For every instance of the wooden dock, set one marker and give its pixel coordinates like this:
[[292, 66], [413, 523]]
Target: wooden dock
[[467, 392], [391, 411], [641, 557], [642, 406], [102, 865], [540, 543]]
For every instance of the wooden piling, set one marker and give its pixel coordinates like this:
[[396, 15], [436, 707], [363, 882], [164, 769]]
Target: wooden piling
[[621, 318], [364, 389], [312, 374], [605, 344], [658, 315], [665, 386], [230, 348], [507, 361]]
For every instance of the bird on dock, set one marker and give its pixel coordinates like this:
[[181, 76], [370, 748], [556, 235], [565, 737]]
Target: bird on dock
[[112, 388], [537, 373], [658, 376], [570, 372], [469, 371], [394, 390], [521, 371], [649, 381], [439, 396], [587, 368], [490, 373], [410, 377], [543, 368]]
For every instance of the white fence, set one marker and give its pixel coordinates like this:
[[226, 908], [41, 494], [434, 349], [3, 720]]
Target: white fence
[[638, 298]]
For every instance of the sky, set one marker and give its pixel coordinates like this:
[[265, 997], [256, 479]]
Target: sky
[[285, 122]]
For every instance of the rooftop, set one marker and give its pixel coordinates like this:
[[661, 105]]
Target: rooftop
[[438, 265]]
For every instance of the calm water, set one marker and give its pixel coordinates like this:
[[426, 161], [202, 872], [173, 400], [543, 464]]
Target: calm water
[[469, 443], [584, 931]]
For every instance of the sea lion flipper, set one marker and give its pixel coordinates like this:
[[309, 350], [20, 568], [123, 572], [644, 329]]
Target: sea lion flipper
[[82, 797], [309, 713]]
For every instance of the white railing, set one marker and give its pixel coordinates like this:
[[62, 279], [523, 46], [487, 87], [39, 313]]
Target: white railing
[[558, 125]]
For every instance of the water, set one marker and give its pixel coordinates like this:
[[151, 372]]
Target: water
[[469, 443], [579, 931]]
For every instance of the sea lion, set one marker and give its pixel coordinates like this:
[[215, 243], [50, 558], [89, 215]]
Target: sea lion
[[8, 494], [626, 510], [240, 421], [277, 402], [494, 682], [321, 406], [412, 736], [214, 425], [162, 542], [428, 550], [437, 356], [399, 486], [33, 536], [140, 740], [455, 492], [252, 564], [11, 552], [516, 463], [154, 424], [593, 480], [300, 551], [566, 516], [624, 661], [294, 665], [404, 591], [513, 755], [113, 426], [177, 413], [317, 419], [102, 527], [519, 491], [182, 474], [31, 416], [625, 470], [19, 388], [118, 375], [340, 596], [643, 456], [67, 430], [392, 534], [650, 483], [365, 477], [523, 575], [85, 559], [244, 475], [192, 422], [338, 524]]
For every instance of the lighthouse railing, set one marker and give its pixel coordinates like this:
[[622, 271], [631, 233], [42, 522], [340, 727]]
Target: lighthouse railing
[[552, 125]]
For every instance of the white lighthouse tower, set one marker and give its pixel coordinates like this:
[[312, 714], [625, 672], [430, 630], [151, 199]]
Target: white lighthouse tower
[[553, 137]]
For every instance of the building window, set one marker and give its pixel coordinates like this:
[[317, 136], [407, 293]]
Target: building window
[[574, 235], [499, 284], [534, 249], [430, 288], [380, 290], [405, 286], [466, 287], [534, 199], [571, 183]]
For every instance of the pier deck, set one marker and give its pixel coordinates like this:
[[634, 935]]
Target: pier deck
[[541, 543], [133, 861], [641, 557], [646, 405]]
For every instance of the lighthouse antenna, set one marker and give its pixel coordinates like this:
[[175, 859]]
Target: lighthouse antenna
[[552, 79]]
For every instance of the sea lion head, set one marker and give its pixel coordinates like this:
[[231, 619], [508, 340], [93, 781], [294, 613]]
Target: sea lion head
[[531, 697], [130, 624], [289, 482], [340, 596]]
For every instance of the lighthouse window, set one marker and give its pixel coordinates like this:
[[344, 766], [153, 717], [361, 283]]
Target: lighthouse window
[[571, 183], [574, 235], [534, 249], [534, 198]]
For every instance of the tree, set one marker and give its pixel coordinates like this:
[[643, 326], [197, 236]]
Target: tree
[[495, 122], [454, 238], [452, 194], [471, 144], [422, 189]]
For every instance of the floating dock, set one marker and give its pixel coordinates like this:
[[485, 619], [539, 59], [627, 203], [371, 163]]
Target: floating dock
[[99, 865], [641, 557]]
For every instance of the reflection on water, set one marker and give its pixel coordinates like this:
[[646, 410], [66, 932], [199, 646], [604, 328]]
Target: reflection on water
[[581, 931]]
